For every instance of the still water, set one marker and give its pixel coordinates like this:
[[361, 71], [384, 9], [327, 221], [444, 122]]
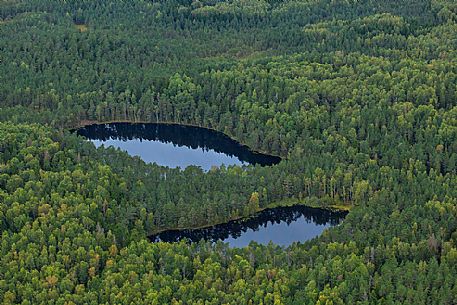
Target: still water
[[175, 145], [282, 226], [181, 146]]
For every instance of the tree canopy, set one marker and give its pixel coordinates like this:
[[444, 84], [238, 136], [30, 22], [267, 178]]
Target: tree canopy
[[357, 97]]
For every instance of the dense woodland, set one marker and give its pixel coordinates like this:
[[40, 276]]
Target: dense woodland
[[359, 98]]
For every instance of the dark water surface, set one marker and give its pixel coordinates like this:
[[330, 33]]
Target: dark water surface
[[282, 226], [175, 145], [181, 146]]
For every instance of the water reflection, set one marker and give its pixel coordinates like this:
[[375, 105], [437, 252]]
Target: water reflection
[[282, 226], [175, 145]]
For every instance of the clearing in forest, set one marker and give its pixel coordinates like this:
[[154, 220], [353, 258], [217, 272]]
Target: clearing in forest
[[81, 27]]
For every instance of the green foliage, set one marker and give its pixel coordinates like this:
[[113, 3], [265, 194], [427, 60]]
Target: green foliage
[[358, 97]]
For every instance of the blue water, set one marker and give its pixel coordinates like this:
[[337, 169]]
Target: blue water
[[281, 233], [180, 146], [282, 226], [175, 145], [171, 155]]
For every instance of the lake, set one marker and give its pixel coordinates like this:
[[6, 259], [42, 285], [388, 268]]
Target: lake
[[175, 145], [180, 146], [282, 226]]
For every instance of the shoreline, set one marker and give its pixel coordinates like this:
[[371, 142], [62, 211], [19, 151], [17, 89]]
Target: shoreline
[[84, 123], [282, 203], [332, 208]]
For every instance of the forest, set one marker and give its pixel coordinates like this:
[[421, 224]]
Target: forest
[[358, 98]]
